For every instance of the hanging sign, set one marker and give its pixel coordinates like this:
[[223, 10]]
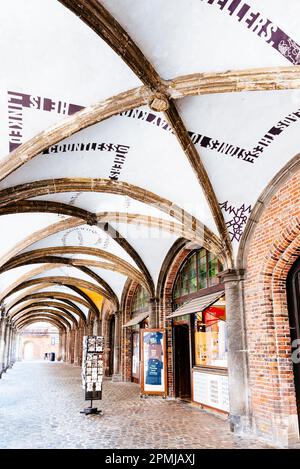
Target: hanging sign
[[153, 356], [92, 367]]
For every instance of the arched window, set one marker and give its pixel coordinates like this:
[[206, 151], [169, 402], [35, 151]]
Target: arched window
[[140, 300], [198, 278], [199, 271]]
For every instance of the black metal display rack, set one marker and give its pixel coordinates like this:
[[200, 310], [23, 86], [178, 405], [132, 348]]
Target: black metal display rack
[[92, 371]]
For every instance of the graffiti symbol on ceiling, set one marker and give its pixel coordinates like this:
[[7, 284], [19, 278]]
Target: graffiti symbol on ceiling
[[238, 221], [85, 236], [261, 26]]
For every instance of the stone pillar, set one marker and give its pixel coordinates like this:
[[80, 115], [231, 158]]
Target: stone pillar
[[100, 327], [67, 346], [95, 326], [153, 317], [117, 348], [7, 346], [18, 347], [59, 357], [63, 341], [13, 345], [239, 415], [3, 326], [70, 346]]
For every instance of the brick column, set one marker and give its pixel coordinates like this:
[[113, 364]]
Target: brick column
[[81, 332], [153, 317], [117, 348], [89, 328], [76, 352], [61, 348], [99, 329], [70, 346], [239, 416]]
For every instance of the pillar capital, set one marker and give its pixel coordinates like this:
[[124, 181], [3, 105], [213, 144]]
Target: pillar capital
[[154, 299], [232, 275]]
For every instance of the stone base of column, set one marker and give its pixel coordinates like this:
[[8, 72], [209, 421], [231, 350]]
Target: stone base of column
[[116, 378], [239, 424]]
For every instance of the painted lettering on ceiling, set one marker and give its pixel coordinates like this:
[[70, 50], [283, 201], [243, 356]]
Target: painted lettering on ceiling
[[261, 26], [16, 102]]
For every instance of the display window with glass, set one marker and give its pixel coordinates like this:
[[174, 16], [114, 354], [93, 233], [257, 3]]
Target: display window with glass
[[210, 334], [199, 276], [140, 304]]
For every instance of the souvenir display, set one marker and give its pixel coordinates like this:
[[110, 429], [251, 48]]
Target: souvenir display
[[92, 367]]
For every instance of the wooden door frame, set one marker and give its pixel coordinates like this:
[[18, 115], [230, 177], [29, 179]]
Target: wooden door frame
[[189, 351]]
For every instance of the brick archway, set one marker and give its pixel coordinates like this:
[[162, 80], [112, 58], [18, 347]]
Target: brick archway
[[272, 250], [126, 335], [174, 259]]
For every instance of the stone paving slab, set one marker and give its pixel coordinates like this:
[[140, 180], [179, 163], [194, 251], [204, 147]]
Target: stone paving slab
[[40, 405]]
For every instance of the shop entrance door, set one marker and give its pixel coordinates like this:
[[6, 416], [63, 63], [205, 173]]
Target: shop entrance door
[[293, 295], [182, 362]]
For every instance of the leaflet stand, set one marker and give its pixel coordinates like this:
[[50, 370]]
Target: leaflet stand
[[91, 410], [92, 372]]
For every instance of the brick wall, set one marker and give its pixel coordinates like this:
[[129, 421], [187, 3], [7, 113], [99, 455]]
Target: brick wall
[[40, 346], [273, 249]]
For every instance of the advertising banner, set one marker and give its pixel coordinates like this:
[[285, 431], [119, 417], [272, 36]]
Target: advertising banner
[[153, 373]]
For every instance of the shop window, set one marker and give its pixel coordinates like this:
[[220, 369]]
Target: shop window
[[211, 336]]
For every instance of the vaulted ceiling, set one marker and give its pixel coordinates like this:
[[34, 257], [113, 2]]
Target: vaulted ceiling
[[127, 124]]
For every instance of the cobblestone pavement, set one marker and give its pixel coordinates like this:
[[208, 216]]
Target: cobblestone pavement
[[40, 404]]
